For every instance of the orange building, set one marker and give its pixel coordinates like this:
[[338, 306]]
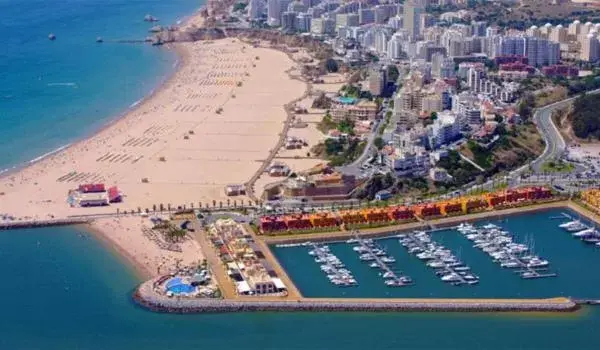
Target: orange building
[[400, 213], [538, 193], [272, 223], [427, 210], [472, 204], [325, 219], [352, 216], [376, 215], [297, 222], [451, 207]]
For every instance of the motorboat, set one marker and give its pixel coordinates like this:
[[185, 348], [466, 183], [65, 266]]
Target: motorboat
[[573, 226], [436, 264], [425, 256], [510, 264], [451, 277], [537, 262], [389, 274], [367, 257], [388, 259], [360, 249], [352, 241], [586, 233], [374, 265]]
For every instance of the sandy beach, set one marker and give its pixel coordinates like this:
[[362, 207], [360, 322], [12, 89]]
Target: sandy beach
[[125, 235], [210, 125]]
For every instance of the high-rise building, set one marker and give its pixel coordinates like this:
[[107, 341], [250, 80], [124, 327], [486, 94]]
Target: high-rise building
[[590, 48], [366, 15], [346, 20], [275, 9], [303, 22], [575, 28], [559, 34], [255, 9], [288, 21], [394, 47], [412, 18], [377, 81], [381, 41], [479, 28], [322, 26]]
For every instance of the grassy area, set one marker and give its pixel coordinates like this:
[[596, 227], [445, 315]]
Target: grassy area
[[557, 167], [339, 152]]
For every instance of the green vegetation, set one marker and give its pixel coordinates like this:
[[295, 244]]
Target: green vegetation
[[345, 126], [375, 184], [239, 6], [339, 152], [462, 172], [392, 73], [379, 143], [585, 118], [331, 65], [481, 156], [557, 167]]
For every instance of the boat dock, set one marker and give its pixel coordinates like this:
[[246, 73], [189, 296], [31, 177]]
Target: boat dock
[[420, 243], [13, 225], [397, 280]]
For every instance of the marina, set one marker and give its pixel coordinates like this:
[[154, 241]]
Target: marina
[[378, 258], [446, 266], [332, 266], [499, 245], [582, 231], [536, 231]]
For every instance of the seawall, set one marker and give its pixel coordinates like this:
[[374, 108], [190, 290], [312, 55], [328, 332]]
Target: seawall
[[148, 298]]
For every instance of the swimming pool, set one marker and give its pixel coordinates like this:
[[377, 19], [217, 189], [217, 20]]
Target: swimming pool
[[177, 286], [346, 100]]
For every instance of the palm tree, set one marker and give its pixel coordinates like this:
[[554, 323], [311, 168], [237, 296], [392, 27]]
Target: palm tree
[[235, 204], [117, 211], [191, 205], [139, 210], [162, 207], [220, 204], [200, 205], [214, 203], [169, 207], [154, 207], [228, 202]]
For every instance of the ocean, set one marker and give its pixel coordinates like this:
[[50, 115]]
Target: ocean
[[65, 290], [53, 93]]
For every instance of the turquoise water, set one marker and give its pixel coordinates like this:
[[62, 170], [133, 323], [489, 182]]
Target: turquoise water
[[568, 257], [54, 92], [62, 291]]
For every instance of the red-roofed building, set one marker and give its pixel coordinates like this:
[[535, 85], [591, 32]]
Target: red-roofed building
[[91, 188]]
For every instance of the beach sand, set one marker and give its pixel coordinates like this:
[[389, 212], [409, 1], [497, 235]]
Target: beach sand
[[125, 235], [203, 149]]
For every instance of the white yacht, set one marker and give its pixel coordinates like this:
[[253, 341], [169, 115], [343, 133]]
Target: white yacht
[[573, 226], [586, 233], [388, 259], [451, 277], [389, 274]]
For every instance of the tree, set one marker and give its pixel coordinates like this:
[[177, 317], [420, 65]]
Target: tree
[[379, 143], [331, 65], [392, 73]]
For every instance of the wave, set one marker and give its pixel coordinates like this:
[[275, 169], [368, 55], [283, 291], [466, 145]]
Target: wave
[[62, 84], [136, 103], [37, 159]]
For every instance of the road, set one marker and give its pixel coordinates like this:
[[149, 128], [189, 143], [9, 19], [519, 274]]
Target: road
[[555, 143]]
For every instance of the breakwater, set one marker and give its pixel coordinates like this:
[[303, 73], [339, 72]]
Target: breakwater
[[41, 223], [146, 296]]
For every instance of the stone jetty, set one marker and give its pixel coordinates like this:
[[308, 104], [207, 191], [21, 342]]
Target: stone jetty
[[146, 296], [41, 223]]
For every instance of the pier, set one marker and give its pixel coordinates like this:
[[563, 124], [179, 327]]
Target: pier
[[145, 296], [446, 269], [41, 223], [398, 281]]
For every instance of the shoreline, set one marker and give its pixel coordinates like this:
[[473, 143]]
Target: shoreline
[[139, 270], [110, 121]]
